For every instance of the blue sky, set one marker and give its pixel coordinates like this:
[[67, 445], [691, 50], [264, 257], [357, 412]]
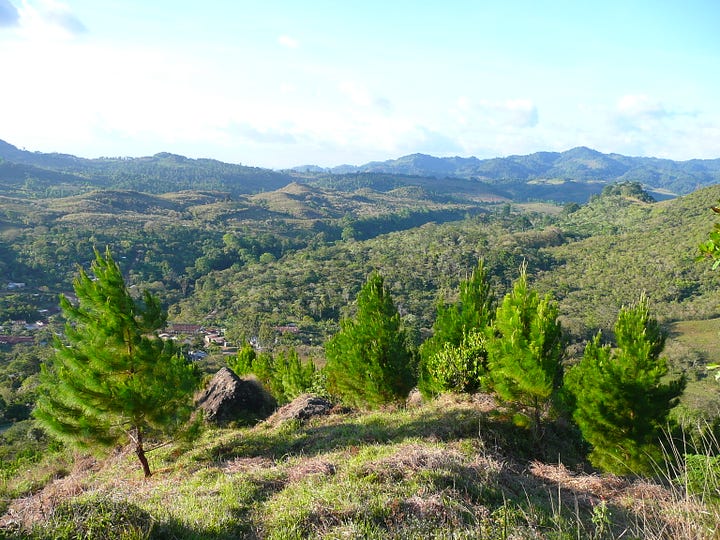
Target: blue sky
[[283, 83]]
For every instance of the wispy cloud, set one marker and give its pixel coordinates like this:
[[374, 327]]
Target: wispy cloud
[[49, 19], [9, 15], [509, 113], [360, 95], [357, 93], [640, 106], [263, 137], [65, 20], [639, 112], [521, 112], [429, 141], [289, 42]]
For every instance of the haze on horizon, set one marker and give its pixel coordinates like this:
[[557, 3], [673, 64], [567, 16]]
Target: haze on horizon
[[285, 83]]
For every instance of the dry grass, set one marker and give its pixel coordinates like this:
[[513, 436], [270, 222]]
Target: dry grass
[[590, 487], [310, 467], [26, 511], [410, 459], [246, 464], [369, 476]]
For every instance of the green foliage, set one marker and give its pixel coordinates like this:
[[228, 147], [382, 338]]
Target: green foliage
[[96, 516], [296, 378], [112, 380], [454, 357], [284, 375], [627, 189], [368, 364], [622, 399], [263, 367], [525, 348], [455, 368], [710, 248], [702, 476], [242, 364]]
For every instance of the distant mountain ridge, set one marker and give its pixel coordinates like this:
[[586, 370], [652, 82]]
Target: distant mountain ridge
[[161, 173], [573, 175], [579, 164]]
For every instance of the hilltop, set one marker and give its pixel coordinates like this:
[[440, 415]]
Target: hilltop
[[451, 468]]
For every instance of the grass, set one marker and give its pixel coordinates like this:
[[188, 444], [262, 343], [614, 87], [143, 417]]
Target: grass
[[702, 336], [452, 468], [691, 346]]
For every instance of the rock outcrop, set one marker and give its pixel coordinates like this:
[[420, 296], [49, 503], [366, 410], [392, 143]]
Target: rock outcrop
[[301, 408], [230, 399]]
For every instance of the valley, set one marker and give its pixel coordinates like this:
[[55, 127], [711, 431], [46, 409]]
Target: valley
[[258, 252]]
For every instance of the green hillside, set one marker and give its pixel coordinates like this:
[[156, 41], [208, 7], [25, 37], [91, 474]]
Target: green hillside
[[623, 247], [258, 264]]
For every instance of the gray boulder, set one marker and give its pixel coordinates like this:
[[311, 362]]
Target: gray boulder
[[302, 408], [229, 399]]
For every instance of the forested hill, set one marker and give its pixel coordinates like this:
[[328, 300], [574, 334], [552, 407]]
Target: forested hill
[[62, 174], [572, 176], [580, 165]]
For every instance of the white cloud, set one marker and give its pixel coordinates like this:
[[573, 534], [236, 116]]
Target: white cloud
[[289, 42], [639, 112], [357, 93], [521, 112], [360, 95], [505, 114], [48, 20], [640, 106]]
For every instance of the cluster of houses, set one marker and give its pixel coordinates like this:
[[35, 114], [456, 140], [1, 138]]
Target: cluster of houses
[[20, 326], [211, 337]]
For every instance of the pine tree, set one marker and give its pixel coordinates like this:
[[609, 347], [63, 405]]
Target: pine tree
[[263, 367], [525, 349], [622, 405], [112, 380], [283, 375], [297, 378], [451, 360], [367, 362], [242, 363]]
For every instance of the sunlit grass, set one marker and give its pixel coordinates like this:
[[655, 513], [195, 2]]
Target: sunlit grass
[[702, 336], [452, 468]]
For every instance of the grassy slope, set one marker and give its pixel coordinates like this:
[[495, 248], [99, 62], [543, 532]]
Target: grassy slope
[[453, 468]]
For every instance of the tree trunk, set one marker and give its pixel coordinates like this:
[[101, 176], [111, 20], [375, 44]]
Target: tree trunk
[[140, 453]]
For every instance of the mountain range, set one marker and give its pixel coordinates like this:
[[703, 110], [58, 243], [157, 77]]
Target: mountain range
[[573, 175], [579, 164]]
